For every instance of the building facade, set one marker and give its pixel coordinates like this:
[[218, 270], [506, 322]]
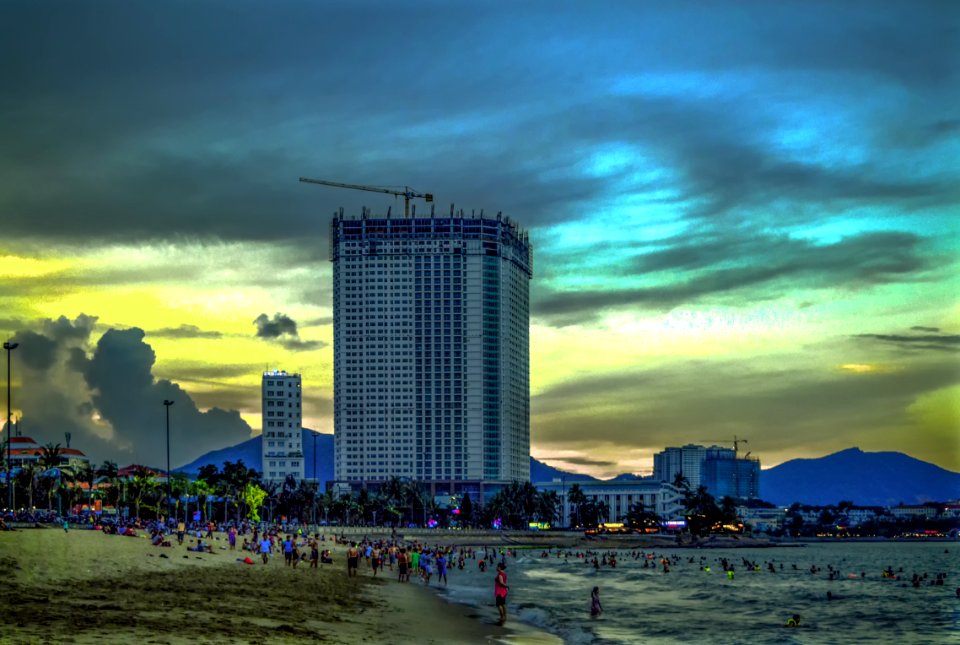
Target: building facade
[[719, 469], [282, 437], [659, 497], [431, 351], [686, 461], [726, 475]]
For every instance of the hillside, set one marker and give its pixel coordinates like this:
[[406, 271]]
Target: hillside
[[865, 478], [249, 452]]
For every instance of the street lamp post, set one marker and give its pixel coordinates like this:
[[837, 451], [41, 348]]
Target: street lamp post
[[167, 405], [9, 346], [316, 478]]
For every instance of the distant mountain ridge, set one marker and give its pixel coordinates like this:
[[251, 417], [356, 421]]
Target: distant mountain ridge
[[865, 478], [249, 451]]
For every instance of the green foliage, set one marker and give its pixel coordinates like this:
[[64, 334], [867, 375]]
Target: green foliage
[[253, 496]]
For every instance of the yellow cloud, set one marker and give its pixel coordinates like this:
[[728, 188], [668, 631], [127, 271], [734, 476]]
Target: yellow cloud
[[18, 266]]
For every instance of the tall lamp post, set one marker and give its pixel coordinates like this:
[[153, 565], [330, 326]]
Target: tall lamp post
[[316, 489], [167, 404], [9, 346]]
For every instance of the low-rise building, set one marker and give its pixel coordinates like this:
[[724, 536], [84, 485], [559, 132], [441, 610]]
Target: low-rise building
[[658, 497], [766, 520]]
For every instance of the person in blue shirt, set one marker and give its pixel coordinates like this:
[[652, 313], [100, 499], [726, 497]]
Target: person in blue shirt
[[288, 550]]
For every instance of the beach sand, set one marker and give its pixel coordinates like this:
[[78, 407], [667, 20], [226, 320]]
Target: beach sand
[[87, 587]]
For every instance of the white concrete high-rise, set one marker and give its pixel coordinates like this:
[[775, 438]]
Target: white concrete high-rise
[[431, 350], [281, 450]]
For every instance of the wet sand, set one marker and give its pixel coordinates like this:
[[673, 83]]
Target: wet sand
[[87, 587]]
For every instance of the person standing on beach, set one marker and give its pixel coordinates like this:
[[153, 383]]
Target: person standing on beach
[[500, 590], [181, 530], [265, 549], [353, 559], [403, 562], [288, 550]]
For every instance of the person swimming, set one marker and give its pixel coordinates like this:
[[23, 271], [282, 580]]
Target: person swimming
[[793, 621]]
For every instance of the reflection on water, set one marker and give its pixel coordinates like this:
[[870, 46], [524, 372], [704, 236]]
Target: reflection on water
[[689, 604]]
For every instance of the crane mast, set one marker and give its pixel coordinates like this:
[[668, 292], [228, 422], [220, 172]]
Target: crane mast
[[407, 193]]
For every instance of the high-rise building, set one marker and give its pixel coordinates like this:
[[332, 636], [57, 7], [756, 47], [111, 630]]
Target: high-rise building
[[718, 469], [686, 461], [281, 450], [431, 350], [726, 475]]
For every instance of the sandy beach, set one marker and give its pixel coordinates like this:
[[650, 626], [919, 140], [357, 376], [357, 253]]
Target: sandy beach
[[87, 587]]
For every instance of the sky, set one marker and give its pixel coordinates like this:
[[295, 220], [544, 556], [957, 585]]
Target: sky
[[744, 214]]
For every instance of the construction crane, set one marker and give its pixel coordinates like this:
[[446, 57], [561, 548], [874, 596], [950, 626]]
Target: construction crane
[[736, 442], [407, 193]]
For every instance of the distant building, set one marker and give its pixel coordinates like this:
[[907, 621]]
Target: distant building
[[767, 520], [431, 351], [658, 497], [725, 475], [281, 450], [686, 461], [24, 451], [720, 470]]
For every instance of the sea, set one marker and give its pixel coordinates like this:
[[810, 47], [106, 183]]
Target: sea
[[691, 604]]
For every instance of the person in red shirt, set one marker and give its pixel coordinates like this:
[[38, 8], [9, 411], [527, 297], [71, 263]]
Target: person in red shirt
[[500, 590]]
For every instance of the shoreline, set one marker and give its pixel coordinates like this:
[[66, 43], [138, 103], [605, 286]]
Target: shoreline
[[86, 587]]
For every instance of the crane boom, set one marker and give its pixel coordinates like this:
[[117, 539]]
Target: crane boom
[[406, 193], [736, 442]]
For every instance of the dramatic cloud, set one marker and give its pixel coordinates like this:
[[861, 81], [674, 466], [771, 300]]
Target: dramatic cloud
[[107, 397], [280, 325], [706, 186], [755, 268], [283, 329], [130, 399]]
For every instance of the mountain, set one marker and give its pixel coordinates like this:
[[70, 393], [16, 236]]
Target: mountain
[[865, 478], [541, 472], [249, 452]]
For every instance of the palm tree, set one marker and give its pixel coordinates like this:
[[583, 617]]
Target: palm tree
[[578, 499], [85, 474], [201, 490], [143, 484], [27, 478], [179, 485], [49, 461]]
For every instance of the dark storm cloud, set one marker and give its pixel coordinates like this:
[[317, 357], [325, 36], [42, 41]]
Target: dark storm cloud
[[755, 267], [203, 131], [184, 331], [130, 398], [36, 350], [930, 341], [283, 329], [63, 329], [279, 325]]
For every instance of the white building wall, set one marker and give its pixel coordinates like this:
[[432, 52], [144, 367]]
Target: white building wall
[[282, 430], [412, 332]]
